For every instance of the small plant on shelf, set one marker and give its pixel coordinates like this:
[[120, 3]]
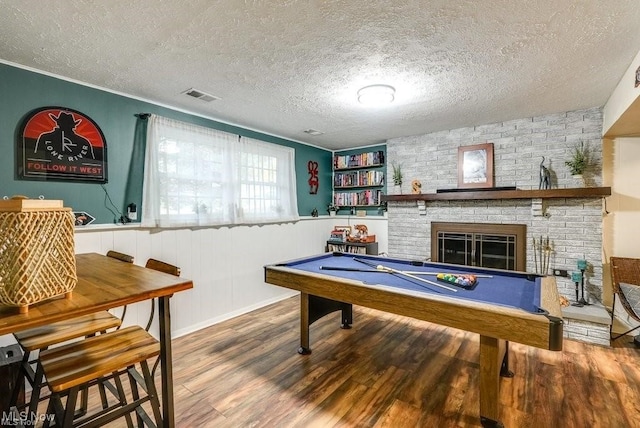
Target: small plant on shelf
[[579, 159], [382, 208], [332, 208]]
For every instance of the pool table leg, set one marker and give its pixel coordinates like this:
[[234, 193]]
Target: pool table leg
[[504, 367], [312, 308], [304, 348], [492, 364], [346, 312]]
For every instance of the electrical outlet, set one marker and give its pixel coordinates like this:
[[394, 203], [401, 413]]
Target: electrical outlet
[[561, 272]]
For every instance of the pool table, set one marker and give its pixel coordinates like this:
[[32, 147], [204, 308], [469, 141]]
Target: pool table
[[502, 306]]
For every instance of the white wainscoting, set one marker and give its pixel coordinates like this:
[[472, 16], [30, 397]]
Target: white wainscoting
[[225, 264]]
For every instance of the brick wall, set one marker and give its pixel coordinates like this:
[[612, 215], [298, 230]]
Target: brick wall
[[574, 226]]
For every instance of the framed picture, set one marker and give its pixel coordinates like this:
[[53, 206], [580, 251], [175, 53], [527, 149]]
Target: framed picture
[[58, 143], [83, 218], [475, 166]]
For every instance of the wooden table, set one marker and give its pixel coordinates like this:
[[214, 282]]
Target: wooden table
[[105, 283]]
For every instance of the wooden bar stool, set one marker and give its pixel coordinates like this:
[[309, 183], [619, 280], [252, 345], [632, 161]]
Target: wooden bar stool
[[74, 366], [161, 266], [39, 339]]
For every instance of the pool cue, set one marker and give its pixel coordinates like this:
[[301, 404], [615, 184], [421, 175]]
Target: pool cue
[[544, 253], [540, 248], [547, 257], [399, 272], [535, 256], [477, 275], [350, 269]]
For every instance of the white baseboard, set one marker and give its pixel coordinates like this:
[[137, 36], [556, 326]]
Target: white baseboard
[[216, 320]]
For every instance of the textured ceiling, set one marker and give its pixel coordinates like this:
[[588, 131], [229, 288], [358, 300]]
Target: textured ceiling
[[283, 66]]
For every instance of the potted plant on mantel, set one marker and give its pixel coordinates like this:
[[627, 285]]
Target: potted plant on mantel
[[579, 160], [397, 177]]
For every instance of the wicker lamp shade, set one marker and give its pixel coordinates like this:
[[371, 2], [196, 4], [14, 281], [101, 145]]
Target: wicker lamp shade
[[37, 253]]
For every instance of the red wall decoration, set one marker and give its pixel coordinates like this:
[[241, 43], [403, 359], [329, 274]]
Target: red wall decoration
[[314, 182]]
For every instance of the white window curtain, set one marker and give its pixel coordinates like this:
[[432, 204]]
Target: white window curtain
[[197, 176]]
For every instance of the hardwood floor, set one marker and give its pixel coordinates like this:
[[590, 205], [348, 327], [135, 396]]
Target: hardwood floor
[[389, 371]]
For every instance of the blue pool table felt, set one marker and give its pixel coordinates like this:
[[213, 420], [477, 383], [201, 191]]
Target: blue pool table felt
[[504, 288]]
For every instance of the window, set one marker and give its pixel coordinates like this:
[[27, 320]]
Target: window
[[197, 176]]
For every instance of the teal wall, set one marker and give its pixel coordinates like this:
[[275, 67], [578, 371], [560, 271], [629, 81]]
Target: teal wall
[[22, 91]]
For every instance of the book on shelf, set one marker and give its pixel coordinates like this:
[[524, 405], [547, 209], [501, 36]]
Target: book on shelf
[[359, 160], [345, 248], [362, 198], [358, 178], [341, 248]]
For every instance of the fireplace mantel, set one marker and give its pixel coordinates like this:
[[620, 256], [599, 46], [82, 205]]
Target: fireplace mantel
[[578, 192]]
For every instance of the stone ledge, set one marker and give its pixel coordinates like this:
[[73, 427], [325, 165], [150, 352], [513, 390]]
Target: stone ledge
[[594, 313]]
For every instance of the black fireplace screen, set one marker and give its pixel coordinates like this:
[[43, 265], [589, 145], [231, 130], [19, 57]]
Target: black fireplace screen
[[477, 249]]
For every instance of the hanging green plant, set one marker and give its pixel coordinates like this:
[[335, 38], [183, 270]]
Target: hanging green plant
[[579, 159]]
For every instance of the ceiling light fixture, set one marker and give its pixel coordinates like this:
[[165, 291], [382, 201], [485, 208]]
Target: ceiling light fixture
[[376, 94]]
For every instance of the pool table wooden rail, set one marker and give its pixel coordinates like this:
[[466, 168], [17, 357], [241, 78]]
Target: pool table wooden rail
[[485, 319]]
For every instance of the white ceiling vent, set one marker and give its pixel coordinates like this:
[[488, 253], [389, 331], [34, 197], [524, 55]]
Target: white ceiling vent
[[313, 132], [195, 93]]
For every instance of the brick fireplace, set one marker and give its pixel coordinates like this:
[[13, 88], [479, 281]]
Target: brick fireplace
[[573, 225]]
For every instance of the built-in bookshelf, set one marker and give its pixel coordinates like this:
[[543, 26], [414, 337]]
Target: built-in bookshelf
[[358, 179]]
